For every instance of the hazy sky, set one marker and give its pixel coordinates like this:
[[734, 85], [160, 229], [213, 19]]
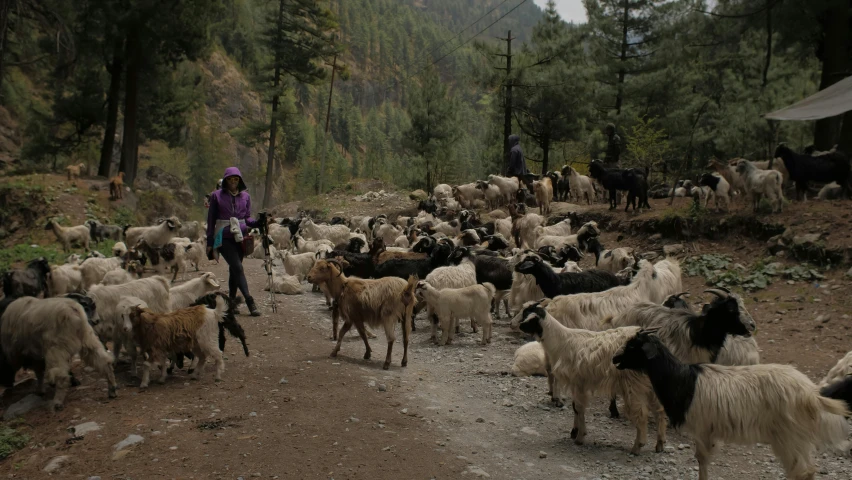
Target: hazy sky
[[569, 10]]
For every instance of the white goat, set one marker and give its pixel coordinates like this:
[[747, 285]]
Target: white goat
[[839, 371], [65, 279], [580, 185], [529, 360], [297, 264], [333, 233], [183, 295], [93, 269], [312, 246], [119, 249], [67, 236], [507, 185], [450, 304], [156, 235], [762, 183]]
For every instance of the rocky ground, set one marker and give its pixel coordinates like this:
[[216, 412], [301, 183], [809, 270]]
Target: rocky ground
[[290, 411]]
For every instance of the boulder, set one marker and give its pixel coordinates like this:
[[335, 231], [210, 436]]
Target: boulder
[[24, 405], [674, 249], [418, 195]]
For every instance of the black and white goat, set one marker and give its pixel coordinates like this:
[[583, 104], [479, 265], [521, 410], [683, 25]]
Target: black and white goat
[[29, 281], [553, 284], [831, 167]]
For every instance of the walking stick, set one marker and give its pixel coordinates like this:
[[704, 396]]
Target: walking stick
[[267, 260]]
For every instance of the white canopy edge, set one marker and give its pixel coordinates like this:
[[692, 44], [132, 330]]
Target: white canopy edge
[[834, 100]]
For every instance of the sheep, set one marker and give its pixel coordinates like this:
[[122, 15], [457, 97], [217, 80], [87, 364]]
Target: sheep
[[493, 197], [773, 404], [74, 171], [33, 280], [580, 186], [719, 186], [543, 194], [286, 284], [191, 230], [119, 249], [553, 284], [507, 185], [442, 191], [761, 183], [77, 235], [116, 186], [332, 233], [466, 194], [99, 231], [840, 370], [154, 291], [529, 360], [157, 235], [309, 246], [824, 168], [183, 295], [191, 329], [582, 362], [450, 304], [580, 240], [297, 264], [45, 334], [383, 302]]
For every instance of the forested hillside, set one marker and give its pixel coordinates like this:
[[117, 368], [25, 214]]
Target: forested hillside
[[419, 95]]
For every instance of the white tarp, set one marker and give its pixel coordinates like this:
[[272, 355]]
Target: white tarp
[[834, 100]]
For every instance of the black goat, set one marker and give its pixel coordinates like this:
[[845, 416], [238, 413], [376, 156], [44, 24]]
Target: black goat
[[495, 242], [428, 205], [612, 180], [360, 264], [564, 187], [338, 221], [404, 267], [29, 281], [99, 232], [424, 245], [831, 167], [675, 301], [554, 181], [227, 322], [524, 196], [494, 270], [553, 284], [637, 187], [840, 390], [566, 253]]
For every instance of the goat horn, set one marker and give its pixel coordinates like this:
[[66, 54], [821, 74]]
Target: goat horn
[[678, 295], [721, 293]]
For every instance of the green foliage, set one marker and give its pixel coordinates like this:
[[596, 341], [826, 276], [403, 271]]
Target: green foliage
[[718, 271], [648, 144], [156, 204], [207, 156], [11, 440]]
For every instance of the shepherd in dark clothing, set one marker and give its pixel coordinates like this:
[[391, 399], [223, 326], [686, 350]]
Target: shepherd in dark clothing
[[517, 164], [613, 147]]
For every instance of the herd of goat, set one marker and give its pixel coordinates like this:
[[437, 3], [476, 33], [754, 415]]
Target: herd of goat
[[621, 329]]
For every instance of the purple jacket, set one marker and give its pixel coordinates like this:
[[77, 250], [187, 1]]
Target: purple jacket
[[223, 206]]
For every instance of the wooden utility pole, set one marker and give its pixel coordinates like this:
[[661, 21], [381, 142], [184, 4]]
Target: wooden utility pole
[[327, 118], [507, 106]]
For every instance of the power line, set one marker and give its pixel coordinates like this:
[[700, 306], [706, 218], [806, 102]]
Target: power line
[[397, 82]]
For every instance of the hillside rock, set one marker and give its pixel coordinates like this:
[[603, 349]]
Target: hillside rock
[[155, 178]]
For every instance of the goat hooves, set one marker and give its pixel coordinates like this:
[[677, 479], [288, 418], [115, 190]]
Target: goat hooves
[[574, 432], [190, 371], [659, 447], [367, 356], [334, 354], [57, 407], [404, 363], [386, 366], [557, 402], [112, 393]]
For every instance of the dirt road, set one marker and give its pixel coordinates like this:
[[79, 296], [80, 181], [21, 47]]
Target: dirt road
[[290, 411]]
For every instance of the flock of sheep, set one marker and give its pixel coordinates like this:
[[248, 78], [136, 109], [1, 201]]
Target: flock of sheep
[[619, 330]]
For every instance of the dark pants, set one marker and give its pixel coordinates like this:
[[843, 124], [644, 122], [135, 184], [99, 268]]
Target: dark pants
[[232, 252]]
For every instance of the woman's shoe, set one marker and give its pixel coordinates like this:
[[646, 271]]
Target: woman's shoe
[[253, 311]]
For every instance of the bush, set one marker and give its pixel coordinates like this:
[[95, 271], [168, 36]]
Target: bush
[[11, 440]]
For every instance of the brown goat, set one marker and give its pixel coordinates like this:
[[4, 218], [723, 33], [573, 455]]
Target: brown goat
[[116, 185], [74, 170], [380, 255], [192, 329], [382, 302]]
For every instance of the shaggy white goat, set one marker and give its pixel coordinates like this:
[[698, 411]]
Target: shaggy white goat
[[839, 371], [772, 404], [454, 276], [582, 363], [616, 260], [52, 331], [312, 246], [119, 249], [467, 193], [153, 290], [543, 190], [286, 284], [118, 277], [588, 230], [761, 183], [183, 295], [562, 228], [65, 279], [297, 264], [67, 236], [507, 185], [280, 235], [333, 233], [442, 191], [529, 360], [579, 185], [156, 235], [526, 226], [196, 254], [93, 269], [450, 304], [493, 197]]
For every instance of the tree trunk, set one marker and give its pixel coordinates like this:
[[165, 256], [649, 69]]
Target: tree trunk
[[130, 143], [622, 72], [545, 160], [115, 70], [5, 7], [428, 176], [273, 127], [845, 141], [834, 53], [768, 43]]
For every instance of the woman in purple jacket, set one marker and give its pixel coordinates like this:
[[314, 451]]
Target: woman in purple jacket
[[231, 201]]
